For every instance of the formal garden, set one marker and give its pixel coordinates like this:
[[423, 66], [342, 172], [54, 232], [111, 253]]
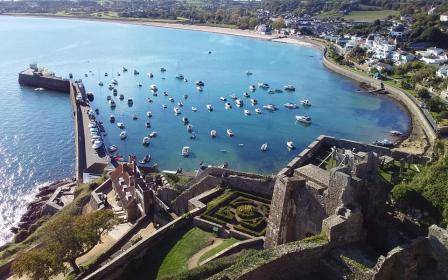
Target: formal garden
[[239, 211]]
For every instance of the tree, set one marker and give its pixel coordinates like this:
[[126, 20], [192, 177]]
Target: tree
[[64, 239], [423, 93], [278, 24]]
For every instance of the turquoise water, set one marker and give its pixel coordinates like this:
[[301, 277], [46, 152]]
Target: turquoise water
[[36, 142]]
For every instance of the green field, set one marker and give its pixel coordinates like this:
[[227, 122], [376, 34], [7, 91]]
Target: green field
[[368, 16]]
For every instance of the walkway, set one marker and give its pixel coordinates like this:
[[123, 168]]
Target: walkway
[[193, 261]]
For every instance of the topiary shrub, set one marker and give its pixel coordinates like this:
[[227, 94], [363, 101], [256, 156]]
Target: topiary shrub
[[246, 211]]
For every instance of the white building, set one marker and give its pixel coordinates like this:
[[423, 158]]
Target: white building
[[433, 56], [379, 46], [444, 17], [442, 72], [401, 57]]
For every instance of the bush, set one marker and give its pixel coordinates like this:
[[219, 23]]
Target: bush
[[423, 93], [20, 236], [225, 214], [246, 211], [444, 115], [248, 231], [436, 104]]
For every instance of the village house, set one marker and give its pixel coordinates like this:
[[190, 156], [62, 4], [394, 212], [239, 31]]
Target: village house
[[383, 67], [442, 72], [432, 56], [444, 17], [379, 47], [401, 57]]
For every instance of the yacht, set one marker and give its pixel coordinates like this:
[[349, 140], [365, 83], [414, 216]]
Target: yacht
[[252, 88], [100, 84], [233, 96], [145, 141], [228, 105], [396, 133], [290, 105], [185, 151], [136, 72], [239, 102], [303, 119], [153, 87], [257, 110], [306, 102], [223, 98], [180, 76], [123, 135], [194, 109], [200, 83], [176, 111], [254, 101], [189, 128], [180, 104], [153, 134], [171, 99], [112, 103], [108, 97], [125, 69], [148, 124], [113, 149], [185, 120], [130, 101], [162, 69], [146, 159], [213, 133], [264, 147], [290, 145], [164, 106], [263, 85], [134, 117], [289, 88], [185, 96], [245, 94], [112, 118], [247, 112], [97, 145], [270, 107], [150, 75], [229, 132], [120, 125], [209, 107], [149, 114], [248, 73], [121, 97]]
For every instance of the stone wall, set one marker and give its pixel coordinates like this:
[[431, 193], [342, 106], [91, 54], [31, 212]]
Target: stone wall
[[95, 202]]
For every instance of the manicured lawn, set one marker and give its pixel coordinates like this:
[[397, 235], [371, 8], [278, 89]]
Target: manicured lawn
[[370, 15], [225, 244], [176, 259]]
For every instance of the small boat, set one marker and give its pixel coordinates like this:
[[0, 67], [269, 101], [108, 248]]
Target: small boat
[[114, 91], [200, 83], [239, 102], [113, 149], [97, 144], [245, 94], [171, 99], [148, 124], [264, 147], [213, 133], [118, 74], [111, 87], [114, 82], [139, 84], [289, 88], [180, 104], [257, 110], [153, 87], [270, 107], [199, 88], [165, 93], [277, 90], [306, 102], [271, 91], [384, 143], [136, 72], [154, 93], [150, 100], [180, 77], [108, 97], [100, 84], [125, 69], [123, 135], [162, 69], [241, 145], [112, 118], [185, 120], [209, 107], [247, 112], [254, 101], [112, 103], [228, 105], [230, 132], [252, 88], [233, 96], [303, 119], [248, 73], [290, 105], [209, 52], [194, 109], [176, 111], [290, 145], [185, 96], [146, 159], [263, 85], [396, 133], [222, 98], [85, 75], [164, 106], [150, 75], [189, 128], [105, 74], [149, 114], [134, 117], [120, 125], [92, 124], [130, 101], [193, 135], [145, 141], [90, 96], [185, 151], [153, 134], [121, 97]]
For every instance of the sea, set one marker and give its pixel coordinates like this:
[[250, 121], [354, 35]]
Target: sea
[[36, 127]]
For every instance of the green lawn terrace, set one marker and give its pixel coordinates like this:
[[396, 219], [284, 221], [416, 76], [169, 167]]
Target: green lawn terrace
[[239, 211]]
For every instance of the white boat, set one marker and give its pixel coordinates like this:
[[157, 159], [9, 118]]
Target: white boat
[[146, 159], [223, 98], [112, 103], [114, 82], [165, 93], [258, 110], [194, 109], [153, 87], [97, 145], [270, 107], [290, 145], [254, 101], [200, 83], [199, 88], [123, 135], [228, 105], [289, 88], [213, 133], [180, 76], [305, 102], [92, 124], [239, 102], [145, 141], [230, 132], [150, 75], [176, 111], [290, 105], [247, 112], [164, 106], [264, 147], [185, 120], [263, 85], [125, 69], [209, 107], [171, 99], [185, 151], [148, 124], [113, 149], [180, 104], [245, 94], [233, 96], [153, 134], [396, 133], [112, 118], [120, 125], [121, 97], [39, 89], [130, 101], [150, 100], [252, 88], [189, 128], [149, 114], [303, 119]]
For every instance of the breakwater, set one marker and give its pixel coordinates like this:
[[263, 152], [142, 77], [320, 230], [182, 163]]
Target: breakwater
[[42, 78]]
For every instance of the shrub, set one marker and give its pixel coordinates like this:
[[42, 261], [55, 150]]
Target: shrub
[[20, 236], [248, 231], [225, 214], [423, 93], [246, 211], [444, 115]]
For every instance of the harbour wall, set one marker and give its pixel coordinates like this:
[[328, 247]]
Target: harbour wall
[[80, 161], [49, 83]]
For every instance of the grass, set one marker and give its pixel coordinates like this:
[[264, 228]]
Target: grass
[[225, 244], [391, 172], [369, 16], [176, 260]]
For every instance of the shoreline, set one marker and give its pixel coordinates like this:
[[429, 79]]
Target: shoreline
[[417, 141]]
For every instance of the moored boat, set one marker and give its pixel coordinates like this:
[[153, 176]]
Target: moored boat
[[123, 135], [264, 147], [247, 112], [145, 141], [213, 133], [306, 102], [230, 132], [120, 125], [289, 88], [290, 145], [209, 107], [290, 105], [185, 151], [258, 110], [304, 119], [194, 109]]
